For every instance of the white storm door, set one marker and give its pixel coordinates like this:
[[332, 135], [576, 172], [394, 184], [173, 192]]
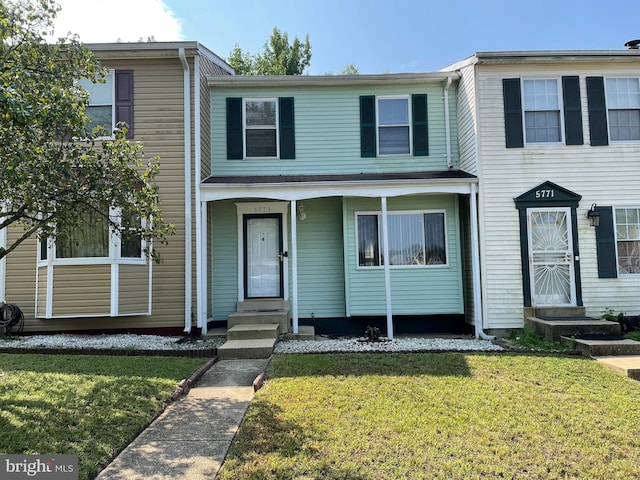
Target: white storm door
[[551, 257], [263, 256]]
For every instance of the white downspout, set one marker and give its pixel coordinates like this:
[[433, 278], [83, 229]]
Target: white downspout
[[447, 127], [475, 266], [201, 296], [187, 191]]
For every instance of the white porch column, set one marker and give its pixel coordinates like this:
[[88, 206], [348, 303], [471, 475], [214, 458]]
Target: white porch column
[[294, 265], [201, 270], [387, 274], [475, 262]]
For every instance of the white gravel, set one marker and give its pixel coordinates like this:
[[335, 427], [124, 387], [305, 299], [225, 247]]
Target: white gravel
[[395, 345], [109, 342], [157, 342]]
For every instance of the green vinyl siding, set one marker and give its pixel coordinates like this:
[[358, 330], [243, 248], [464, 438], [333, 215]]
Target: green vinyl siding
[[320, 260], [414, 291], [224, 258], [327, 131]]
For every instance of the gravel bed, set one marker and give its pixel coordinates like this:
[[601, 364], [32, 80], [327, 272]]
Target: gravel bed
[[131, 342], [110, 342], [346, 345]]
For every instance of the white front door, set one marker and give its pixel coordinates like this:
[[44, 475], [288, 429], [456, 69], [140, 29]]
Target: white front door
[[263, 257], [551, 257]]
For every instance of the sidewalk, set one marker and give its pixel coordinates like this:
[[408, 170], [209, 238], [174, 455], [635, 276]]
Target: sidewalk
[[191, 437]]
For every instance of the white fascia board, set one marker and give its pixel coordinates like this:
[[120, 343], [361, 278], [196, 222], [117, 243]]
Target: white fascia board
[[302, 191]]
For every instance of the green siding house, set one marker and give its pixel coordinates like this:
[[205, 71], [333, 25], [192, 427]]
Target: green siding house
[[340, 200]]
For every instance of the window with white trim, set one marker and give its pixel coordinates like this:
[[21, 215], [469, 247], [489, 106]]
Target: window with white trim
[[628, 240], [261, 127], [623, 108], [394, 125], [101, 109], [93, 239], [415, 239], [542, 113]]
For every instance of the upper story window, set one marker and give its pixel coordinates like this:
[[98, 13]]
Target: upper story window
[[111, 102], [101, 109], [394, 125], [415, 239], [260, 128], [542, 117], [623, 108], [542, 111]]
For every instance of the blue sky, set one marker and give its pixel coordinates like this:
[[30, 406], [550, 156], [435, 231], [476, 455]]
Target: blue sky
[[381, 36]]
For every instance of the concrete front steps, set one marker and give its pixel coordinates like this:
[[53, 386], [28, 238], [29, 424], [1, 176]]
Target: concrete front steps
[[599, 339], [249, 341]]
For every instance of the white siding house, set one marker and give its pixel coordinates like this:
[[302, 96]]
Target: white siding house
[[552, 135]]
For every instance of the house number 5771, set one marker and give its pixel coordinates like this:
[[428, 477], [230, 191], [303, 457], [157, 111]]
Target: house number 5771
[[545, 193]]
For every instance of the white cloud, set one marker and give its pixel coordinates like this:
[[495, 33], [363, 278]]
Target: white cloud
[[117, 20]]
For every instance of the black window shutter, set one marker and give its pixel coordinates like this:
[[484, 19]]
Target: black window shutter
[[572, 110], [124, 99], [420, 125], [235, 149], [512, 113], [597, 111], [367, 126], [606, 244], [287, 128]]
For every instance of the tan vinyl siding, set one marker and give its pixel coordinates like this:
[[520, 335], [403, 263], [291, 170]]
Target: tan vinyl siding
[[41, 299], [133, 291], [81, 290], [20, 281], [603, 175]]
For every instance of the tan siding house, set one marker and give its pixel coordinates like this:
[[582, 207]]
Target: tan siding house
[[117, 293]]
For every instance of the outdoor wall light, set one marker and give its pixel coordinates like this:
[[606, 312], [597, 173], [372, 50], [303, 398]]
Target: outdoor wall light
[[593, 216], [302, 215]]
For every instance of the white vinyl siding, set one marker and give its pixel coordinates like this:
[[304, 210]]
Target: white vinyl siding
[[603, 175]]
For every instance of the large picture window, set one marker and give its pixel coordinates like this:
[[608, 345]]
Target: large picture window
[[628, 240], [623, 107], [88, 239], [415, 239]]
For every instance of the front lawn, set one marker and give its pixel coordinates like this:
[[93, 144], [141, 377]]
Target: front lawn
[[90, 406], [454, 415]]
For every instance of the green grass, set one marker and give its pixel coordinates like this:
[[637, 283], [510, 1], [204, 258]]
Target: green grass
[[424, 416], [90, 406], [526, 337]]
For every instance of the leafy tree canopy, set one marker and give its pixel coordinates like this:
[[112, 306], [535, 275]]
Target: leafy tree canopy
[[279, 57], [53, 165]]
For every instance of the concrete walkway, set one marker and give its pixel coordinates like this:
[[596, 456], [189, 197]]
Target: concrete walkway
[[191, 437]]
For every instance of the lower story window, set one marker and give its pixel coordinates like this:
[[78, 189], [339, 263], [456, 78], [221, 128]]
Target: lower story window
[[415, 238], [89, 238], [628, 240]]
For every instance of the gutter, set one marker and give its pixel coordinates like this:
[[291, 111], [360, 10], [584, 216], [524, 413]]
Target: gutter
[[187, 191], [447, 127]]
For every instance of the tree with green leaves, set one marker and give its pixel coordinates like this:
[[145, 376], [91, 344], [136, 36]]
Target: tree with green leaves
[[279, 57], [56, 169]]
